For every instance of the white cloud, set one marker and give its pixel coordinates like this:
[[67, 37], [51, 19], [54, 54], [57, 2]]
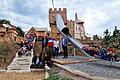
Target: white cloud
[[97, 14]]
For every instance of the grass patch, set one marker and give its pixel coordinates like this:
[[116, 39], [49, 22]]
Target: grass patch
[[57, 76]]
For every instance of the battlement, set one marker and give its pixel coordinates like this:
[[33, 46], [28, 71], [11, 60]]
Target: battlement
[[53, 12], [57, 10], [70, 20]]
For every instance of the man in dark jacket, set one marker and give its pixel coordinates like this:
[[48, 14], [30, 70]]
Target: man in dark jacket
[[64, 46], [44, 42]]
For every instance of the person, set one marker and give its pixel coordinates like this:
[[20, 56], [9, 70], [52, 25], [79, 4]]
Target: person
[[37, 61], [111, 55], [30, 39], [64, 46], [29, 47], [44, 42], [51, 45], [21, 44], [56, 48], [20, 52], [103, 53], [24, 48], [25, 43], [47, 60]]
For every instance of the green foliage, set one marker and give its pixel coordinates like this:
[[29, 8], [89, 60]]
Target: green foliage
[[53, 76], [4, 51], [4, 21], [21, 32], [56, 76], [106, 38], [117, 55], [112, 40], [66, 78], [116, 32]]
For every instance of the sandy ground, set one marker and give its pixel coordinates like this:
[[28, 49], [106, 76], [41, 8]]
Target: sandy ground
[[67, 74], [22, 76], [36, 75]]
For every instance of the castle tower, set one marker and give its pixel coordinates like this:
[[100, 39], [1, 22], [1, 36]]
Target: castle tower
[[79, 30], [52, 21]]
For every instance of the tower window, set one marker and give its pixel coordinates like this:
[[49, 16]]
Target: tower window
[[53, 15], [1, 35]]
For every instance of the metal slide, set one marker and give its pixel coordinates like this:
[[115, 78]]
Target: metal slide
[[61, 28]]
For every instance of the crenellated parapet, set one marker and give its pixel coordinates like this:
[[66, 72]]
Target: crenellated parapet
[[53, 12]]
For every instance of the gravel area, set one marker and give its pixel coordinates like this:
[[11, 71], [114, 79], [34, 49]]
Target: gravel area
[[95, 68], [67, 74], [22, 76], [74, 58]]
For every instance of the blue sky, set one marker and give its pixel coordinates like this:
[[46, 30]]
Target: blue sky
[[98, 15]]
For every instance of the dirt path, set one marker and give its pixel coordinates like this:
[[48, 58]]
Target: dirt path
[[22, 76]]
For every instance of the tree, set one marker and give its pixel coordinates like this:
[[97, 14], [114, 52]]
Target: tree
[[4, 21], [20, 31], [106, 38], [4, 49], [116, 38], [116, 32], [112, 40]]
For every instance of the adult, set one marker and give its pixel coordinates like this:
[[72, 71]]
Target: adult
[[44, 42], [103, 53], [20, 52], [24, 48], [37, 61], [21, 44], [30, 39], [56, 48], [47, 60], [112, 54], [51, 45], [64, 46]]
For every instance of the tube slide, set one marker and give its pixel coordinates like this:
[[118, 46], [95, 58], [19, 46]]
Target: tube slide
[[65, 31]]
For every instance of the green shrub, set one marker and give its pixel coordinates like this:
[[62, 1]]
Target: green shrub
[[4, 51], [56, 76], [66, 78], [53, 76]]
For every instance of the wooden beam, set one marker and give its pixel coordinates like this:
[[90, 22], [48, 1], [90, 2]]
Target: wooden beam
[[72, 62], [37, 70]]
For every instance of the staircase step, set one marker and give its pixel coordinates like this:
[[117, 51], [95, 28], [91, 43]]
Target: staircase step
[[21, 63]]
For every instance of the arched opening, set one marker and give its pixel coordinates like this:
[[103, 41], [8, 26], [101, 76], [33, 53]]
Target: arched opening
[[65, 30]]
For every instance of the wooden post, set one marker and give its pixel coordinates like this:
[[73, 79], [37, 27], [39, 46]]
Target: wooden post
[[74, 52]]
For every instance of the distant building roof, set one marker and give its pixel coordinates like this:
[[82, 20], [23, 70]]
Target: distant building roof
[[79, 21], [7, 25], [40, 29], [10, 26], [25, 32]]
